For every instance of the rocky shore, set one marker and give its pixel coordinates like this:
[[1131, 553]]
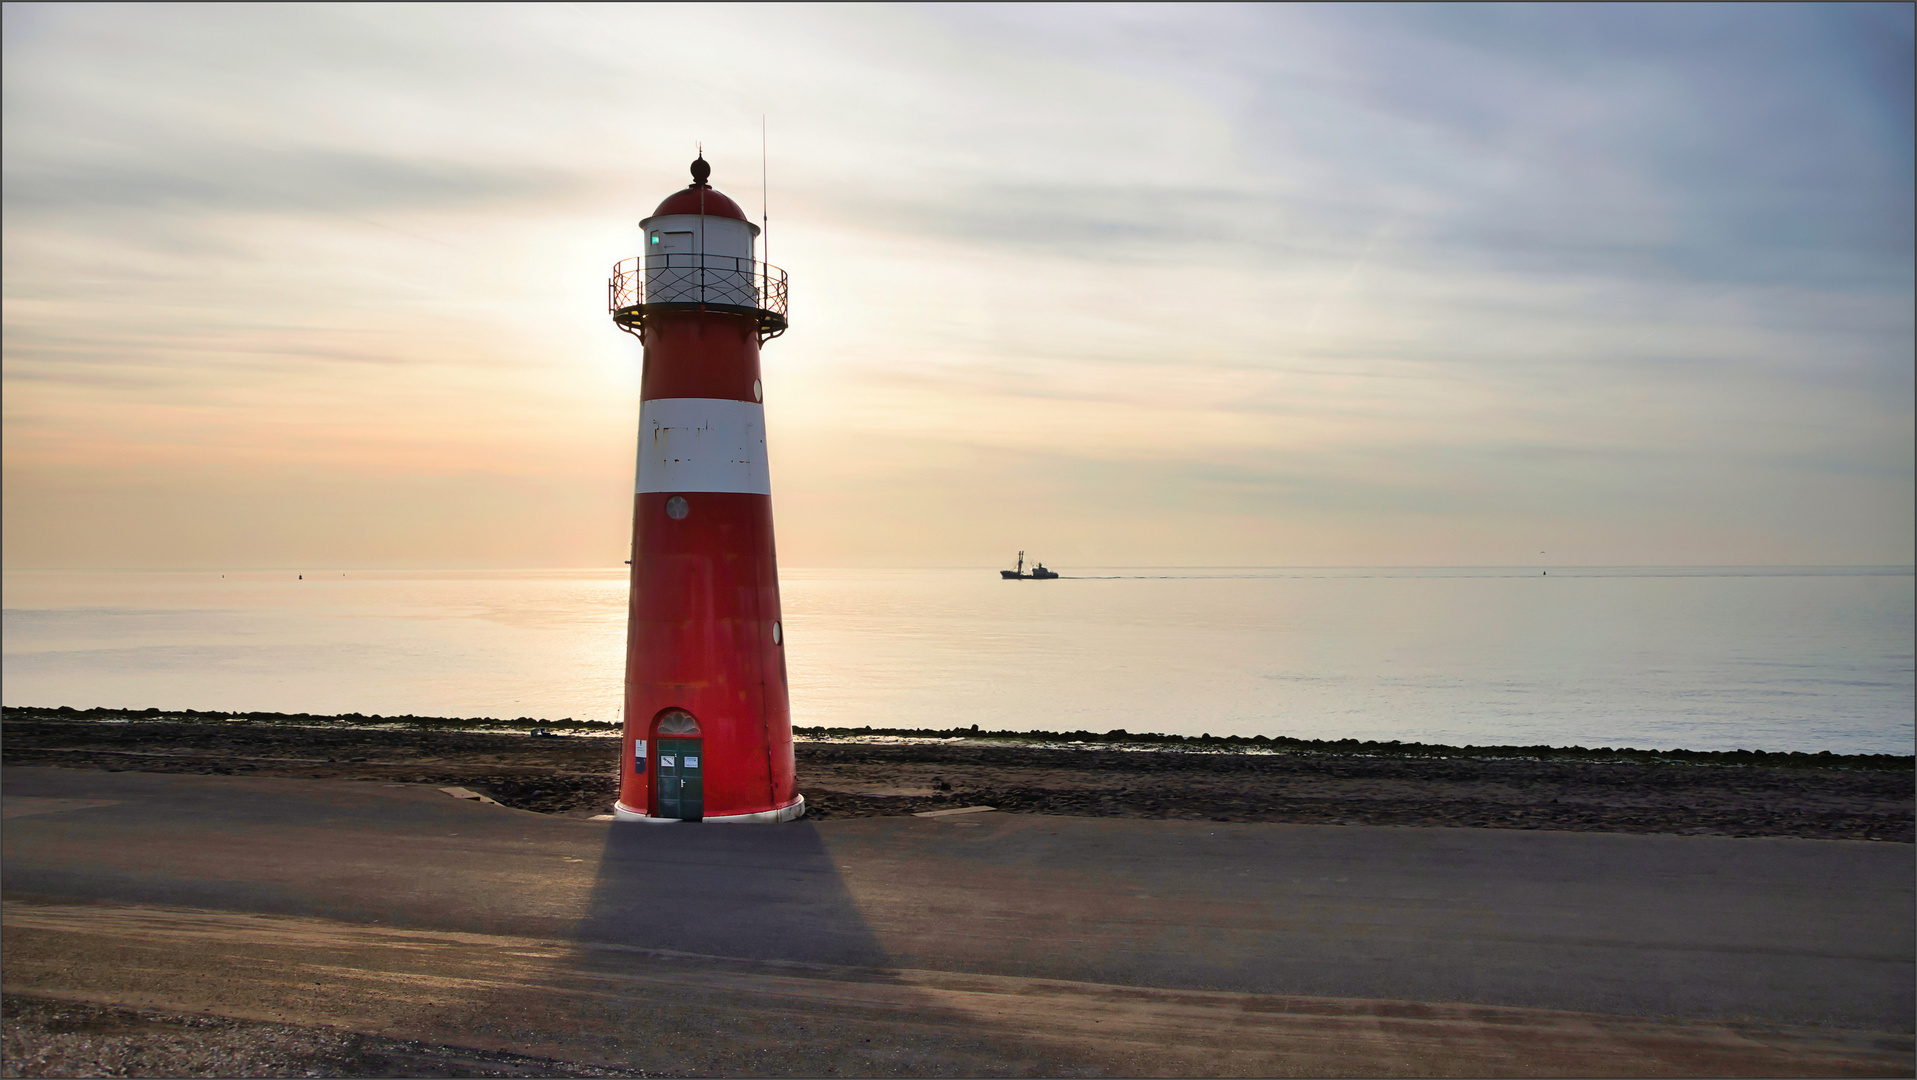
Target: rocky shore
[[845, 775]]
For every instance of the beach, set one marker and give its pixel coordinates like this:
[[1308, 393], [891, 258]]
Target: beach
[[843, 776]]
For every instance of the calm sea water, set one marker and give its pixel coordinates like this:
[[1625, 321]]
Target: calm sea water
[[1702, 658]]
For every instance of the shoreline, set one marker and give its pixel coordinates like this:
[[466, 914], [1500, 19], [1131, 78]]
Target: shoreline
[[1117, 739], [859, 773]]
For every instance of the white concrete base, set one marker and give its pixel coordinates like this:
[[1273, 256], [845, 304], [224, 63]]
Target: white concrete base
[[622, 812]]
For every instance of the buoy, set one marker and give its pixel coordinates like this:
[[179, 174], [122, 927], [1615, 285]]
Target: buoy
[[708, 729]]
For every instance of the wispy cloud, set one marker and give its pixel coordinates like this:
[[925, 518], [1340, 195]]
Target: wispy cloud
[[1400, 282]]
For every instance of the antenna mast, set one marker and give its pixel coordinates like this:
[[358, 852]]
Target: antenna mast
[[765, 213], [701, 181]]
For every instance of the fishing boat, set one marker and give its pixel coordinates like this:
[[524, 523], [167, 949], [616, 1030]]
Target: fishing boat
[[1019, 573]]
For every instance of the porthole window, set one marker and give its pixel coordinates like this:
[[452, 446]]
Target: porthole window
[[676, 508], [777, 636]]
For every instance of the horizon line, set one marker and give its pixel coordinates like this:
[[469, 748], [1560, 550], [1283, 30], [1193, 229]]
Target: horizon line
[[321, 568]]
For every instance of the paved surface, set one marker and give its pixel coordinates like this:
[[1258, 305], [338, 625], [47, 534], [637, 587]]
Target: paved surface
[[983, 943]]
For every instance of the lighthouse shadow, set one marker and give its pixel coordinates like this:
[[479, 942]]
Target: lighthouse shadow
[[766, 893], [739, 950]]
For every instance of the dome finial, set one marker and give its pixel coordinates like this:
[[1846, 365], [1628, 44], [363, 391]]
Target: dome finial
[[700, 170]]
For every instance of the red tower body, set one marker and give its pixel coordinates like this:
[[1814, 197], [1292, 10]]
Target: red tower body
[[708, 732]]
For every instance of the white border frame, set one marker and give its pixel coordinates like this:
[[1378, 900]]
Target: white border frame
[[620, 812]]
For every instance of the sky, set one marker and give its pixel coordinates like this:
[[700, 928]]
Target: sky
[[1131, 285]]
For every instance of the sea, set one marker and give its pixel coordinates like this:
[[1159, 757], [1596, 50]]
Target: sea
[[1701, 658]]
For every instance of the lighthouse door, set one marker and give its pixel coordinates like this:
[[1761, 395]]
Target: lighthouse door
[[681, 789]]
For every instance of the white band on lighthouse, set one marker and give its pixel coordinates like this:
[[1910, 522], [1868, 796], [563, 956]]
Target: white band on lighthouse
[[703, 444]]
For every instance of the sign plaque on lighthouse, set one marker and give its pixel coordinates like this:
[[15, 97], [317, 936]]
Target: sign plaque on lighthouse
[[708, 732]]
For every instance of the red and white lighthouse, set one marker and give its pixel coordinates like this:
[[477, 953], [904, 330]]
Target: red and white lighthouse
[[708, 732]]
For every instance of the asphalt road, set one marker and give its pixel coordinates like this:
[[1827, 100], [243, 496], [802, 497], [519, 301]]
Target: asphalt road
[[982, 943]]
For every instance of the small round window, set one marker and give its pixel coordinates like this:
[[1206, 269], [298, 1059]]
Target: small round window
[[676, 508], [777, 636]]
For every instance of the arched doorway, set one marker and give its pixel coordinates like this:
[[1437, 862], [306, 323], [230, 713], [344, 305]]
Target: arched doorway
[[678, 778]]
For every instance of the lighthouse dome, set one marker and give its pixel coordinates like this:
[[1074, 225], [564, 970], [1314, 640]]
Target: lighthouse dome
[[700, 197], [686, 201]]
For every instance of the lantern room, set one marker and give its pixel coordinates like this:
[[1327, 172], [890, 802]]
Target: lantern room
[[699, 255]]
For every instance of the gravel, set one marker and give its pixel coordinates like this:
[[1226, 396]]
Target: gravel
[[45, 1037]]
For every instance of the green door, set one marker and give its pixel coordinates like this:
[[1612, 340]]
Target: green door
[[681, 794]]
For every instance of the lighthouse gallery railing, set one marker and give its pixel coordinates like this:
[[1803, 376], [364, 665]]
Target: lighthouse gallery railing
[[697, 282]]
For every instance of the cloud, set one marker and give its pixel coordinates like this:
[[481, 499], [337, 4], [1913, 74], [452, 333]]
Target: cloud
[[1729, 143], [229, 180], [1276, 271]]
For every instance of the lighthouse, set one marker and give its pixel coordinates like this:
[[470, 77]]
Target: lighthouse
[[708, 732]]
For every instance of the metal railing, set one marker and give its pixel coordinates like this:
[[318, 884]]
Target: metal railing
[[697, 282]]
